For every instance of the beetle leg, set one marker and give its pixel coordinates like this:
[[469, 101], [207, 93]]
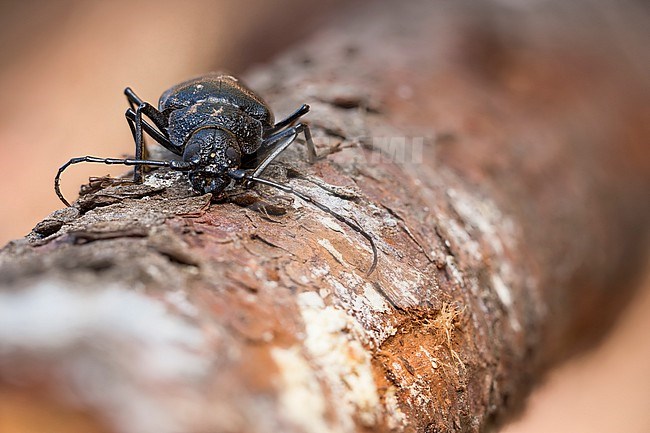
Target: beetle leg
[[148, 110], [289, 120], [137, 124], [153, 132], [136, 131], [309, 142], [281, 141]]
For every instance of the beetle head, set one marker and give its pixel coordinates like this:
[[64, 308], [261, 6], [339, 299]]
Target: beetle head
[[213, 152]]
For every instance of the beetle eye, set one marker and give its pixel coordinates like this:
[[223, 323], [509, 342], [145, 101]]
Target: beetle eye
[[232, 154]]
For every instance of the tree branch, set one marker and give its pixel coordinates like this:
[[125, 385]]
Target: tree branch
[[502, 237]]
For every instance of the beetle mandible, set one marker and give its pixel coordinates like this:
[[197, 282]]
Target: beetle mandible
[[222, 131]]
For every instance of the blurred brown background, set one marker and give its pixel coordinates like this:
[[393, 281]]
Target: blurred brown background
[[64, 65]]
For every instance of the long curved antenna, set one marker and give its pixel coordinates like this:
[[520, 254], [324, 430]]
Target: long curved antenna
[[241, 175], [173, 164]]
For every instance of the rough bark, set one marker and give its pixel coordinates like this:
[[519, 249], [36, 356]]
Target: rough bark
[[505, 230]]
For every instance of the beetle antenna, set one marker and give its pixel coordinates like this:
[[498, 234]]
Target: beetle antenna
[[173, 164], [239, 174]]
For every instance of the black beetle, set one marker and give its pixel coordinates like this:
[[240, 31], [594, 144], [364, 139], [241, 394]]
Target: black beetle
[[224, 133]]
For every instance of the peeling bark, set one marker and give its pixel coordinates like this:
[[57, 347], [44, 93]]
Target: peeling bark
[[502, 237]]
